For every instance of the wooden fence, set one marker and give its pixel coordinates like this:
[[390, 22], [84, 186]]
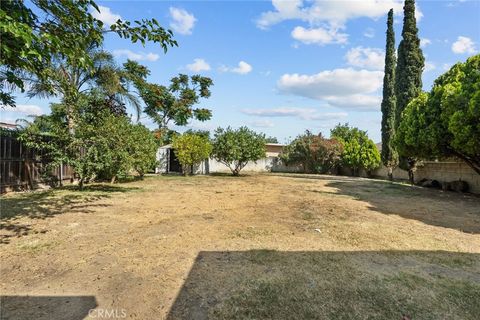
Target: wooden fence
[[24, 168]]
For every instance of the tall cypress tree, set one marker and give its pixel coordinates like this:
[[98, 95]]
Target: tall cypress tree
[[389, 154], [408, 75]]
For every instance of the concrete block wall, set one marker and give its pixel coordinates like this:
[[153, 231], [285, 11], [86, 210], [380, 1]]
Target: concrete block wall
[[449, 171]]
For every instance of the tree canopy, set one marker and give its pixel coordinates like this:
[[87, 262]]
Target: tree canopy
[[446, 121], [103, 145], [37, 32], [175, 102], [359, 152], [235, 148], [191, 149], [313, 152]]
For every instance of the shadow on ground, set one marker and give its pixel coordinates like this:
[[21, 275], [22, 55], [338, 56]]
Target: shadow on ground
[[45, 204], [46, 307], [264, 284], [430, 206]]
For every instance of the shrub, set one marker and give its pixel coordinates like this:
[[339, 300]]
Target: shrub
[[191, 149], [235, 148], [313, 152], [359, 152]]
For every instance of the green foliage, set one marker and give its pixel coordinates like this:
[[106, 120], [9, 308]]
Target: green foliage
[[175, 102], [271, 140], [36, 33], [191, 149], [315, 153], [410, 63], [103, 145], [389, 154], [235, 148], [359, 152], [446, 121], [202, 133]]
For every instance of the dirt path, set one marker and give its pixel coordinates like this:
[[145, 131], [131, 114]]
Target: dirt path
[[199, 247]]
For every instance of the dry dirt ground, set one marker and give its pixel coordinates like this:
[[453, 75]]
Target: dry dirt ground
[[253, 247]]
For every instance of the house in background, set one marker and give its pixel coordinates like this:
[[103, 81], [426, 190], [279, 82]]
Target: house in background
[[168, 162]]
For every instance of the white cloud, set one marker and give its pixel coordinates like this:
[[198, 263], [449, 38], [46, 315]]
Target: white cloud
[[369, 58], [27, 109], [137, 56], [105, 15], [326, 18], [335, 13], [319, 35], [344, 88], [463, 45], [331, 83], [242, 68], [369, 33], [198, 65], [447, 66], [262, 123], [357, 102], [183, 22], [429, 66], [301, 113], [425, 42]]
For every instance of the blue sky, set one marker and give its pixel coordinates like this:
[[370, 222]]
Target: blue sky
[[281, 67]]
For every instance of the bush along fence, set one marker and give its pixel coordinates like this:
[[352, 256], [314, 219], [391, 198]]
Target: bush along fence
[[22, 168]]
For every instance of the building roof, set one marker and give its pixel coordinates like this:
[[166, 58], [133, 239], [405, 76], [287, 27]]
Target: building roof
[[6, 125]]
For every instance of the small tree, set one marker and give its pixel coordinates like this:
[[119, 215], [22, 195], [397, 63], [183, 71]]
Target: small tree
[[359, 152], [235, 148], [103, 145], [174, 103], [313, 152], [142, 148], [191, 149]]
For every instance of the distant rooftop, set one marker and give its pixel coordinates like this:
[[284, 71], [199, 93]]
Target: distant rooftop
[[6, 125]]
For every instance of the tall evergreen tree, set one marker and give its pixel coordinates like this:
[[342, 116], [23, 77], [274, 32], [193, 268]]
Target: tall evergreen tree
[[389, 154], [408, 75]]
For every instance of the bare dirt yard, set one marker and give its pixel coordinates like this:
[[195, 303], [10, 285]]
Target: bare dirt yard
[[253, 247]]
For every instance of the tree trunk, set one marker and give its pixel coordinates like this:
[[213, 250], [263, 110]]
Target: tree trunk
[[472, 163], [113, 179], [411, 176], [80, 183], [390, 173]]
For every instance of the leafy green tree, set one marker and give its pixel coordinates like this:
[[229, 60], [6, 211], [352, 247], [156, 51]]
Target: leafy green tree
[[446, 121], [103, 145], [313, 152], [235, 148], [389, 154], [408, 74], [37, 32], [175, 102], [191, 150], [359, 152], [271, 140], [68, 80]]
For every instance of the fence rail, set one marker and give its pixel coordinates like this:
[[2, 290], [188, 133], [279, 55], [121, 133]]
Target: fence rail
[[22, 168]]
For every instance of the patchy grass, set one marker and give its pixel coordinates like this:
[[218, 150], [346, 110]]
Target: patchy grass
[[220, 247]]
